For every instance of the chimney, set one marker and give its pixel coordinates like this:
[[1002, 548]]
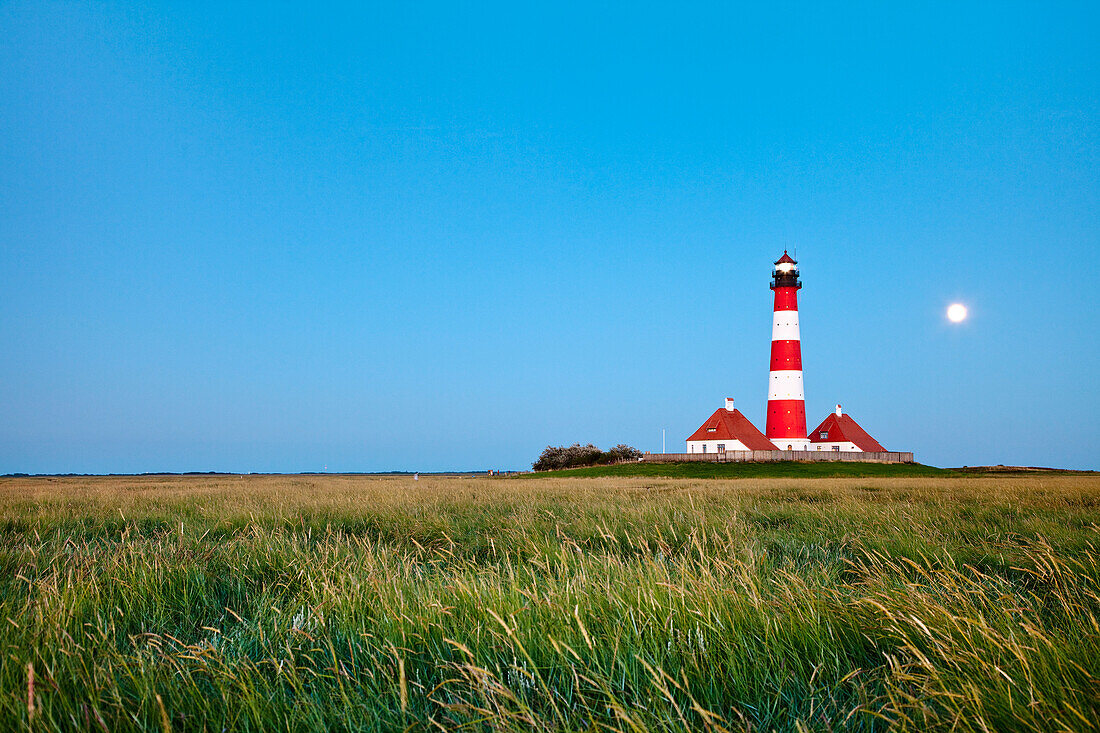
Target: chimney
[[838, 411], [729, 404]]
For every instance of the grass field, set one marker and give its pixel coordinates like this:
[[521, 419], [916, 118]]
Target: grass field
[[557, 603]]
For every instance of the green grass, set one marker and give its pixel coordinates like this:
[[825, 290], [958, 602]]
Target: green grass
[[315, 603], [769, 469]]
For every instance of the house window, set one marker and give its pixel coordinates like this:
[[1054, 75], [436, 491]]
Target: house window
[[704, 447], [819, 447], [721, 447], [823, 435], [836, 447], [711, 430]]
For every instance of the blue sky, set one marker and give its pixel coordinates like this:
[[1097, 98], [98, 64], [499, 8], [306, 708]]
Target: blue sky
[[415, 236]]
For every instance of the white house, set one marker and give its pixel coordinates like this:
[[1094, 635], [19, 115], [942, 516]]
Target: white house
[[840, 432], [727, 429]]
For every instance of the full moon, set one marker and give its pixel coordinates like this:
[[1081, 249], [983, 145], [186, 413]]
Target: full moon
[[956, 313]]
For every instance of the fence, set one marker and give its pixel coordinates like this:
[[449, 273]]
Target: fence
[[736, 456]]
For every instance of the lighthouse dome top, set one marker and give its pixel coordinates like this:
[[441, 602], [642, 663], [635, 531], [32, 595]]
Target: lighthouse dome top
[[785, 274], [785, 265]]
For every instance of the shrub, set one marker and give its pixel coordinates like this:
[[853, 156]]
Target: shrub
[[622, 453], [576, 455]]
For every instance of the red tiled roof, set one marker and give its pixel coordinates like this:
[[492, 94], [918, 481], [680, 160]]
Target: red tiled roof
[[732, 425], [845, 429], [786, 258]]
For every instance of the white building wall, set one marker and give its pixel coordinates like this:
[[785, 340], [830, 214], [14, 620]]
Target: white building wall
[[794, 443], [696, 446], [844, 446]]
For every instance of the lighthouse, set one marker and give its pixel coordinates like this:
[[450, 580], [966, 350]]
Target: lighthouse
[[728, 435], [786, 425]]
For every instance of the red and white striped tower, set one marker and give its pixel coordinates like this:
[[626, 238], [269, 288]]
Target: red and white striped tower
[[786, 426]]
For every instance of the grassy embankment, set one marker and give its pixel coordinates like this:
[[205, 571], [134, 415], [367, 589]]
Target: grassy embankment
[[313, 603], [749, 469]]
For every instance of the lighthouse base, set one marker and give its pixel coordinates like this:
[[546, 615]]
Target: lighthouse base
[[791, 443]]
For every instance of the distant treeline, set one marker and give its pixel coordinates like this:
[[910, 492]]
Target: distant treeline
[[576, 455]]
